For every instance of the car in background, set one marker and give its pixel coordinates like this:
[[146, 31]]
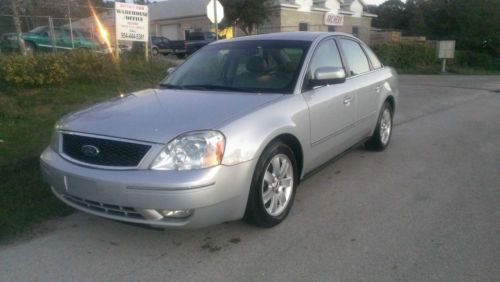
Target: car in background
[[165, 46], [229, 134], [197, 40], [41, 39]]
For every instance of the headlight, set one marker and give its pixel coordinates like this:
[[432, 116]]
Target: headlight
[[192, 150], [54, 141]]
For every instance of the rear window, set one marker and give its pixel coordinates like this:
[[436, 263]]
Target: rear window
[[196, 36], [373, 58]]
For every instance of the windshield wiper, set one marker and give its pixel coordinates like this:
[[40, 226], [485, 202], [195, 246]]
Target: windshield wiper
[[216, 87], [170, 86]]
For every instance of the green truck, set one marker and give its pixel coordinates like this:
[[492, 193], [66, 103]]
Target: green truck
[[41, 39]]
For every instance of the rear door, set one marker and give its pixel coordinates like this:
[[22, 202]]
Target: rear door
[[361, 74]]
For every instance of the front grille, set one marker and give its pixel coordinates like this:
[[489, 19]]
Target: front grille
[[104, 208], [108, 153]]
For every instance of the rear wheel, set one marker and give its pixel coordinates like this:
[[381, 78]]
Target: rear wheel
[[154, 51], [273, 186], [383, 132]]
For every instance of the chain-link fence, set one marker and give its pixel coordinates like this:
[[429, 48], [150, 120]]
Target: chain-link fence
[[53, 26]]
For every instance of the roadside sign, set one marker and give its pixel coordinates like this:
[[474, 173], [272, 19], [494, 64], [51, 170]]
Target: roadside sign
[[446, 49], [132, 22], [217, 12], [333, 19]]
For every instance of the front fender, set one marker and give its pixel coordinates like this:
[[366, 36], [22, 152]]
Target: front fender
[[248, 136]]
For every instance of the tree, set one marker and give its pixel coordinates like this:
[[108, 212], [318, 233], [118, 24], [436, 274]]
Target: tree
[[17, 26], [247, 14], [391, 15], [475, 25]]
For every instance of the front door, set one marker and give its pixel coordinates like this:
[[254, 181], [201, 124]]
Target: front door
[[332, 108]]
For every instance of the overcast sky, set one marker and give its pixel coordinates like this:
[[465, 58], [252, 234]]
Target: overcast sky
[[374, 2]]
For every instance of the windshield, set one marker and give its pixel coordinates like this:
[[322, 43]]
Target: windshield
[[250, 66], [39, 29]]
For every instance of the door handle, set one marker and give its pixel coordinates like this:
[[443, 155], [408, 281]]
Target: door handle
[[378, 88], [347, 100]]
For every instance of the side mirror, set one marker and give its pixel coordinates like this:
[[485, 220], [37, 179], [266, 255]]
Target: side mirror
[[328, 75], [171, 70]]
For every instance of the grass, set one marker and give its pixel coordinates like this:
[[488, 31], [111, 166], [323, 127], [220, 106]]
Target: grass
[[27, 117]]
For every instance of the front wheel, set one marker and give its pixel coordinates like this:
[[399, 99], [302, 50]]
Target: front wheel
[[273, 186], [29, 47], [383, 132]]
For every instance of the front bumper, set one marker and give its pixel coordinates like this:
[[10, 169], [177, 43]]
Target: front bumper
[[214, 195]]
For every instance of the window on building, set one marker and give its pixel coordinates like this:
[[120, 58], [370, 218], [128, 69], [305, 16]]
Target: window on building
[[331, 28], [355, 31], [303, 26], [356, 58]]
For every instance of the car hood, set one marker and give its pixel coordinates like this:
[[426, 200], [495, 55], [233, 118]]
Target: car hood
[[160, 115]]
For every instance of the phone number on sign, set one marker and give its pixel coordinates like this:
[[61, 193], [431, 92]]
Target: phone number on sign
[[136, 36]]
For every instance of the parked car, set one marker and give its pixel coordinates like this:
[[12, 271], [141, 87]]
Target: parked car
[[229, 134], [40, 39], [165, 46], [197, 40]]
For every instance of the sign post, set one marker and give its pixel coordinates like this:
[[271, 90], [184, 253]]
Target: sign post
[[215, 13], [132, 24]]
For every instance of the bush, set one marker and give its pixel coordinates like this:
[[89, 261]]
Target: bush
[[420, 58], [470, 59], [50, 69], [46, 69], [407, 56]]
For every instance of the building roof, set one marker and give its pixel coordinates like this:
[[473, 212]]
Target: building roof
[[172, 9], [349, 2]]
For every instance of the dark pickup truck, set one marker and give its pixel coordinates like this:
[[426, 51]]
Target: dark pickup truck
[[165, 46], [196, 40], [181, 48]]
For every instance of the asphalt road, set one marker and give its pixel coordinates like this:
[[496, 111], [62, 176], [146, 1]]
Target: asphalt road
[[428, 208]]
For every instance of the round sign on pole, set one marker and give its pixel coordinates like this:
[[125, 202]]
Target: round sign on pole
[[213, 12]]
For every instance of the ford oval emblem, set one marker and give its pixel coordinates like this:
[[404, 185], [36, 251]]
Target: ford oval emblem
[[89, 150]]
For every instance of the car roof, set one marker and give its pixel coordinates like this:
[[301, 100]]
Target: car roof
[[296, 35]]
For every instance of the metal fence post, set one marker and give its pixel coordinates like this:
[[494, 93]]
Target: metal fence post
[[71, 28], [52, 34]]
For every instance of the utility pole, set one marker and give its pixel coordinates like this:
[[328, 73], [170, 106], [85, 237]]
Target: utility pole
[[216, 21], [17, 26]]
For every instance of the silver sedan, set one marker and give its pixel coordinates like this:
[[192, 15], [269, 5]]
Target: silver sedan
[[228, 135]]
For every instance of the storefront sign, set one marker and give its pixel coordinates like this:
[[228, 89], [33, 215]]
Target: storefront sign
[[333, 19]]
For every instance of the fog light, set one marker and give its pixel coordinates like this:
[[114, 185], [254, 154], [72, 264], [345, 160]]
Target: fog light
[[176, 213]]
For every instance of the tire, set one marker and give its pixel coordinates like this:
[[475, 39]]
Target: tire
[[154, 52], [30, 47], [272, 191], [180, 56], [383, 131]]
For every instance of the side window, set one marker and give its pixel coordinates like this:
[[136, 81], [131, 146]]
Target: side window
[[356, 58], [326, 55], [373, 58]]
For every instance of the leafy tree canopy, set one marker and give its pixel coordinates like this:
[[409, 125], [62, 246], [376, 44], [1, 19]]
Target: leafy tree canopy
[[475, 25], [246, 14]]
